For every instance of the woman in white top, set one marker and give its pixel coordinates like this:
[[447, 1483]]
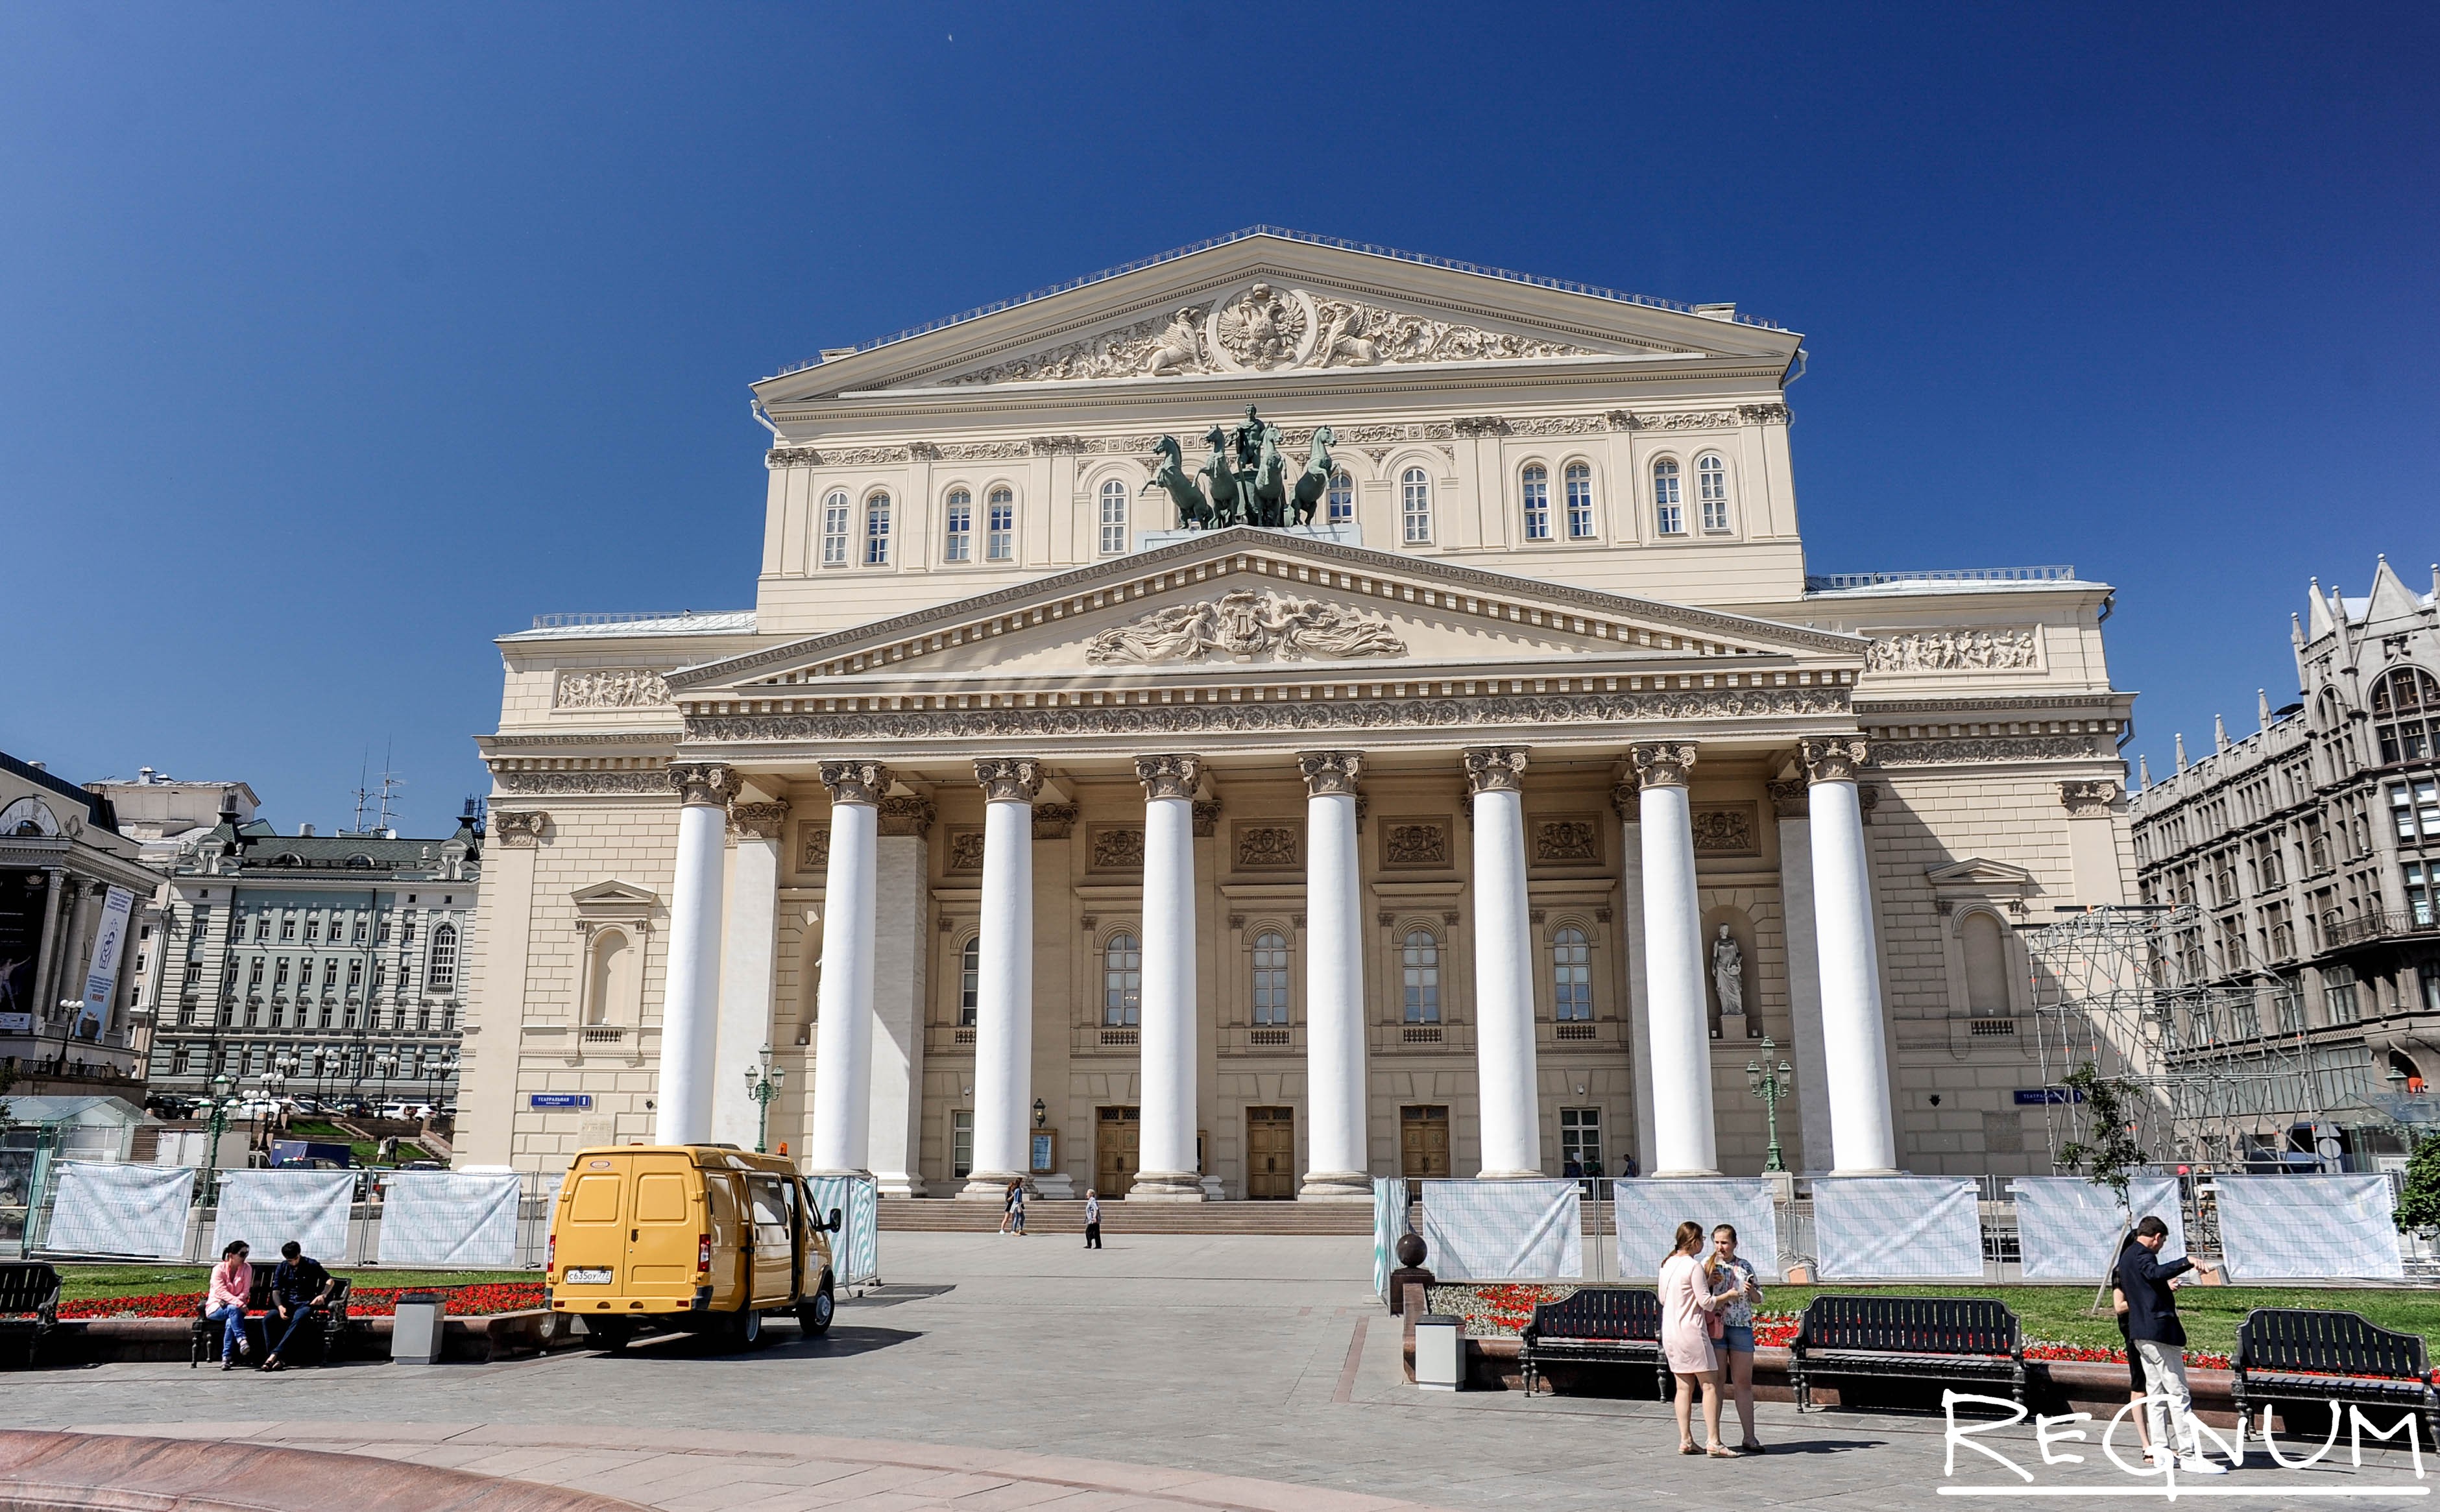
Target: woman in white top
[[1687, 1303], [1735, 1282]]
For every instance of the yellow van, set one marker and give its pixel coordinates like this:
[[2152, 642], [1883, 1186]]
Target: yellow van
[[699, 1238]]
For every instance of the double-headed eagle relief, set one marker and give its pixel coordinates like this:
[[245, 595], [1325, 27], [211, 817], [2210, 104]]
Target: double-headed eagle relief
[[1246, 480]]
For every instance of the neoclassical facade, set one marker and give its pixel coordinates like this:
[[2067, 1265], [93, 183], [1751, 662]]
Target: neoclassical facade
[[1485, 823]]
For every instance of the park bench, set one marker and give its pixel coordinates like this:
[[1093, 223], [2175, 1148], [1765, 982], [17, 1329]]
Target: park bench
[[2310, 1354], [29, 1302], [1965, 1340], [1597, 1326], [203, 1338]]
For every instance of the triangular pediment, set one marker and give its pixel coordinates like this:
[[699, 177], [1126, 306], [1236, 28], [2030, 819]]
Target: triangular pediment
[[1978, 872], [613, 894], [1252, 602], [1264, 303]]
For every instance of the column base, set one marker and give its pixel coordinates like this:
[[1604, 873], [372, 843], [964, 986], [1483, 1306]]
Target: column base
[[898, 1183], [1058, 1186], [1335, 1186], [1683, 1176], [1512, 1176], [1868, 1170], [1166, 1186], [989, 1186], [864, 1175]]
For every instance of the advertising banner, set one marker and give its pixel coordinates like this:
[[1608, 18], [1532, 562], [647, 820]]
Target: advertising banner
[[102, 979]]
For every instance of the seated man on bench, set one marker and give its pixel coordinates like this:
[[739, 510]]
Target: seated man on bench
[[298, 1287]]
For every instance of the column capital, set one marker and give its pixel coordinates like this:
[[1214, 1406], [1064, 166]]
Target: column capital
[[1207, 818], [758, 821], [2083, 799], [1662, 765], [1787, 799], [1007, 779], [703, 782], [857, 781], [519, 830], [910, 815], [1169, 776], [1495, 768], [1053, 821], [1330, 772], [1832, 760]]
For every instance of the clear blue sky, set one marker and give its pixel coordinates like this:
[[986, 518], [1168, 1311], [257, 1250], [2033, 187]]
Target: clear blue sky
[[340, 339]]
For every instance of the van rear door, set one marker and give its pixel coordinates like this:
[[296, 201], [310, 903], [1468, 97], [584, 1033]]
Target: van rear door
[[590, 1229], [665, 1226]]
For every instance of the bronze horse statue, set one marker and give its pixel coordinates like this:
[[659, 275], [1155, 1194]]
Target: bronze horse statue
[[1313, 484], [1170, 475], [1268, 485], [1229, 504]]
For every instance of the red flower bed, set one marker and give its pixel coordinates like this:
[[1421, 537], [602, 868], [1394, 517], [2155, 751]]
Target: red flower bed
[[363, 1302]]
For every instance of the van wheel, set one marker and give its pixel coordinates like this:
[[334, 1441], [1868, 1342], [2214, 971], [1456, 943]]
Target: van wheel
[[813, 1312], [745, 1330]]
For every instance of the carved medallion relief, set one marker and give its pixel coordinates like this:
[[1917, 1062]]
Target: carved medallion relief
[[1571, 841], [813, 848], [1726, 829], [1114, 847], [1414, 843], [1269, 848], [966, 849]]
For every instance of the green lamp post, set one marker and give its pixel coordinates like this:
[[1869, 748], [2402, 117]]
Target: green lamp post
[[762, 1084], [214, 1128], [1770, 1083]]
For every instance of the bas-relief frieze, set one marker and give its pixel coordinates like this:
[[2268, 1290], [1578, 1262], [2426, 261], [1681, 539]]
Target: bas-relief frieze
[[653, 781], [1267, 848], [813, 853], [1114, 847], [1574, 841], [609, 687], [1955, 651], [965, 850], [1414, 843], [1997, 748], [1244, 625], [1725, 830]]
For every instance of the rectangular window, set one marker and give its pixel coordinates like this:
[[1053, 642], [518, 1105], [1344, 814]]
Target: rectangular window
[[2339, 994], [835, 519], [178, 1061], [360, 930], [958, 543], [1537, 505], [261, 927], [876, 532], [961, 1143], [1580, 1141], [1001, 544], [313, 929], [1580, 503], [1669, 511], [1342, 498], [287, 926], [2421, 880], [195, 973], [279, 976], [1114, 521], [1416, 507], [2416, 807]]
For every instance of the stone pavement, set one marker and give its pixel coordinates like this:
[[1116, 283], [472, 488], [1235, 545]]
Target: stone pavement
[[1213, 1357]]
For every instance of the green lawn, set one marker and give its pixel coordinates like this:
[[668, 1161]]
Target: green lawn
[[2211, 1313], [87, 1281], [360, 1150]]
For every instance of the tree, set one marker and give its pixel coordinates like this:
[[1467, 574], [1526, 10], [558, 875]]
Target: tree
[[2113, 1155], [2418, 1207]]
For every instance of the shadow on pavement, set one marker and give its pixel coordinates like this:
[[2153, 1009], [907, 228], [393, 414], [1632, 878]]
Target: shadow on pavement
[[889, 1296], [780, 1342]]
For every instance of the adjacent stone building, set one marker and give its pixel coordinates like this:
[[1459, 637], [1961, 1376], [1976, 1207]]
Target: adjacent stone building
[[1483, 821]]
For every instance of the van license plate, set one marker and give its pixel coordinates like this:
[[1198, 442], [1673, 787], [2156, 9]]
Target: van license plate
[[595, 1277]]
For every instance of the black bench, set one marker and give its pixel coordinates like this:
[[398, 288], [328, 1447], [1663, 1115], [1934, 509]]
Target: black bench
[[29, 1302], [2309, 1354], [1598, 1326], [203, 1338], [1965, 1340]]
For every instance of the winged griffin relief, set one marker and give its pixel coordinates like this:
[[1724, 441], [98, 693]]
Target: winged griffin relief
[[1244, 625], [1263, 329]]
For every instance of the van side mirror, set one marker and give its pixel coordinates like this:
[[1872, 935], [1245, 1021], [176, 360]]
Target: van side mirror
[[836, 1222]]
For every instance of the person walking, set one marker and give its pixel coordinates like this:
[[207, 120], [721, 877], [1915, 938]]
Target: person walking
[[2160, 1338], [1687, 1306], [1734, 1279], [1092, 1220], [232, 1282], [299, 1286]]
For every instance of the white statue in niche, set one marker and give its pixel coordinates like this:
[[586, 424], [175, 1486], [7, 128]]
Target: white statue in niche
[[1729, 980]]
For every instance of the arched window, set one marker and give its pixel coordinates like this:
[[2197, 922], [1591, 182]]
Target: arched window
[[1538, 503], [1669, 509], [970, 981], [1114, 518], [1420, 962], [1712, 490], [1580, 502], [1415, 506], [876, 531], [1343, 496], [441, 968], [1270, 978], [2405, 710], [1986, 967], [834, 518], [610, 977], [1572, 977], [958, 543], [1123, 982], [1002, 541]]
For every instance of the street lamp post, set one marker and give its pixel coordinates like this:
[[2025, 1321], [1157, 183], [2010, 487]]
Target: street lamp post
[[1770, 1083], [762, 1084], [214, 1128]]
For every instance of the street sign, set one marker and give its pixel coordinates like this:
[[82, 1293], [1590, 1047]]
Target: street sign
[[560, 1099], [2036, 1096]]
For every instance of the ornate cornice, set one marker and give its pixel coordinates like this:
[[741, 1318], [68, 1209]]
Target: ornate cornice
[[758, 821], [2085, 799], [1832, 760], [703, 782], [1053, 821], [856, 781], [1789, 800], [560, 738], [1330, 772], [1007, 779], [906, 815], [1169, 776], [1974, 750], [519, 829], [652, 781], [1495, 768], [1663, 765]]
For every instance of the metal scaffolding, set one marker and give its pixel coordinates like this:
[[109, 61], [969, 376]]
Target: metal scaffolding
[[2218, 1069]]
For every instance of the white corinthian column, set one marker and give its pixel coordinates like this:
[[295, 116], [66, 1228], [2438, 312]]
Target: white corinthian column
[[1683, 1141], [1855, 1056], [750, 940], [1340, 1168], [1167, 1150], [691, 998], [1004, 989], [843, 1046], [1503, 967]]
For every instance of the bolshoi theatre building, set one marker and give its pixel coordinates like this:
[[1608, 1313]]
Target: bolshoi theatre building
[[1279, 714]]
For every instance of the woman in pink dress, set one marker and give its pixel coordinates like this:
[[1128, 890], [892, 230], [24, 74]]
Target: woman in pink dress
[[1687, 1303]]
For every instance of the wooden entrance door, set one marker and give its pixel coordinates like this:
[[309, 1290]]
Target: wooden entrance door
[[1116, 1131], [1423, 1142], [1270, 1154]]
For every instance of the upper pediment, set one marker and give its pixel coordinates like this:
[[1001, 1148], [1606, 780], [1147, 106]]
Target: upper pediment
[[1250, 602], [1267, 303]]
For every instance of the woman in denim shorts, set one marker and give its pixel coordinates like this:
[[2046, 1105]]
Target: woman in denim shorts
[[1731, 1275]]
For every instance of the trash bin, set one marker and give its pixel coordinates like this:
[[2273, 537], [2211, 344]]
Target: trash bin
[[1440, 1352], [415, 1338]]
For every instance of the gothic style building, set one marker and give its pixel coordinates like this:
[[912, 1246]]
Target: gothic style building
[[1484, 820]]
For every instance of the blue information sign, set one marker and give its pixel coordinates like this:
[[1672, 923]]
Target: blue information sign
[[560, 1099], [2036, 1096]]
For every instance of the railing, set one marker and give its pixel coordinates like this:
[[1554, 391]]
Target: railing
[[1374, 249], [2378, 926], [1571, 1031], [1268, 1036], [1832, 582], [604, 1034], [1986, 1029]]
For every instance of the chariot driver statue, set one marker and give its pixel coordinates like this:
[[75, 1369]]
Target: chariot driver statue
[[1247, 438]]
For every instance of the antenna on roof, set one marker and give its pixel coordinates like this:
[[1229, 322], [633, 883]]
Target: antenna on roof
[[364, 767], [391, 784]]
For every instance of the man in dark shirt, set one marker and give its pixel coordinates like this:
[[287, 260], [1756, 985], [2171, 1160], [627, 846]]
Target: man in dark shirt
[[2160, 1341], [298, 1285]]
